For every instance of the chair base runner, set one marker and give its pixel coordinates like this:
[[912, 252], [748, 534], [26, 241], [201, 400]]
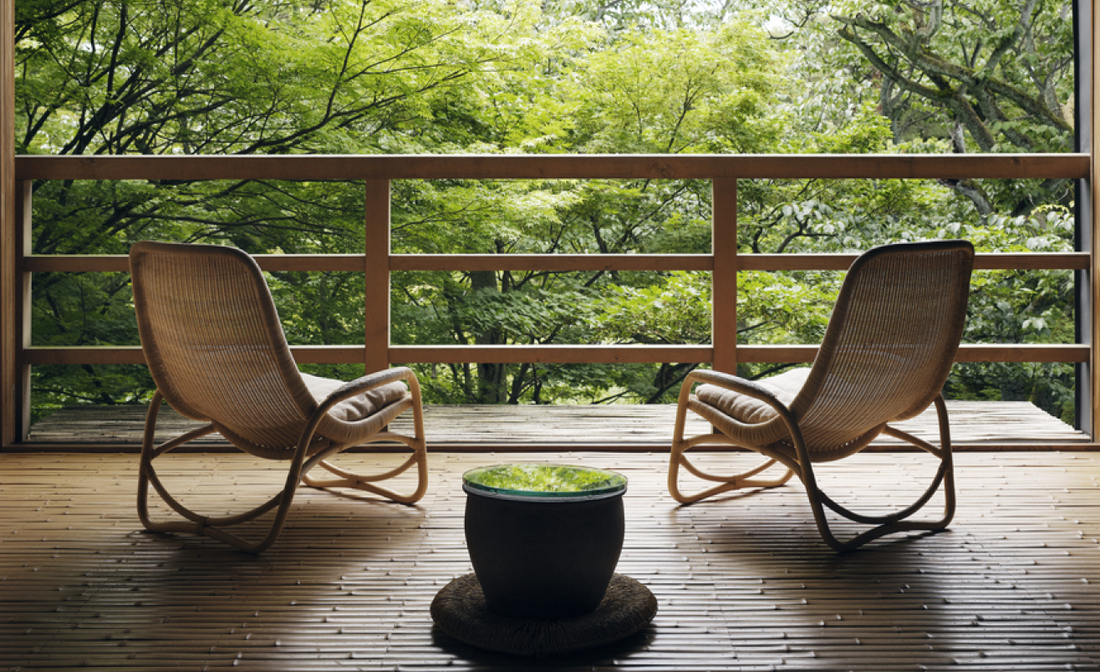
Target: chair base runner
[[214, 527]]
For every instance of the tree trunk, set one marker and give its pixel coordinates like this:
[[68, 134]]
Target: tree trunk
[[491, 378]]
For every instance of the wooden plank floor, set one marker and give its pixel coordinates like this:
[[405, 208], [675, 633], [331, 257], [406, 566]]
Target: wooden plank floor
[[743, 583], [973, 424]]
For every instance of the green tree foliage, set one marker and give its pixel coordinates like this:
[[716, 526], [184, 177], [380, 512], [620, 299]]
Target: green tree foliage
[[645, 91], [570, 76], [986, 76], [1001, 74], [214, 76]]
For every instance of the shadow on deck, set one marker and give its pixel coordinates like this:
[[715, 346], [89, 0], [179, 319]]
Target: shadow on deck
[[743, 583]]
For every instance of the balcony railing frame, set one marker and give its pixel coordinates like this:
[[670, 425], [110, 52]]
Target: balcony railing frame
[[378, 262]]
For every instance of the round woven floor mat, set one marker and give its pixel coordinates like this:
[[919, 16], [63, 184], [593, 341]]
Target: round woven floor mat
[[459, 610]]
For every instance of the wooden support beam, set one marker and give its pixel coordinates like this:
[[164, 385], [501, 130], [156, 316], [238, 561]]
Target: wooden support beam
[[554, 167], [20, 287], [968, 352], [10, 245], [562, 354], [1088, 40], [376, 259], [724, 277], [550, 262], [120, 263]]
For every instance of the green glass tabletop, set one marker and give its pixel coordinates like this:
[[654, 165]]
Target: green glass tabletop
[[529, 479]]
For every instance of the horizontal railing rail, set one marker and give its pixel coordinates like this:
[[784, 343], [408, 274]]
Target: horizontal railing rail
[[561, 354], [554, 167], [378, 263], [119, 263]]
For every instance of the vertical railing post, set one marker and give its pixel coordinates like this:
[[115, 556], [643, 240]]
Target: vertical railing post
[[17, 317], [724, 276], [23, 195], [1088, 203], [10, 249], [376, 263]]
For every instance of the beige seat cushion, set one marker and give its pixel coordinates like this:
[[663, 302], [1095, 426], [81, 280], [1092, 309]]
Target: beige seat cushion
[[750, 410], [357, 407]]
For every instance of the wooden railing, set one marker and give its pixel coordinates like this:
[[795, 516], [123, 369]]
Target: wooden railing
[[378, 262]]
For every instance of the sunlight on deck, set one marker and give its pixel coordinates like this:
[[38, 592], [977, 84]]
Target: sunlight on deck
[[743, 583]]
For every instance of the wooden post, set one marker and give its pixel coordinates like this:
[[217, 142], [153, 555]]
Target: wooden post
[[377, 282], [1087, 53], [21, 310], [10, 243], [724, 276]]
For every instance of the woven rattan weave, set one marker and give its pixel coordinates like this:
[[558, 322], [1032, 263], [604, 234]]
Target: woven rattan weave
[[216, 350], [885, 357]]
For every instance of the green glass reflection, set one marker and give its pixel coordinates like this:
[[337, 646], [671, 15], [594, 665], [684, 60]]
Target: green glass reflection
[[544, 480]]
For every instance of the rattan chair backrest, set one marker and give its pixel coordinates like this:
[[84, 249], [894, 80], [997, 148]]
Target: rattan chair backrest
[[890, 343], [215, 346]]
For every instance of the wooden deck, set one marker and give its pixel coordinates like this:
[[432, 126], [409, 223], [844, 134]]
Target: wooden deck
[[974, 424], [743, 583]]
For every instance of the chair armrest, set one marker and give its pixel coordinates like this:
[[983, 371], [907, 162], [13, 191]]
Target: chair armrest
[[735, 384], [748, 388], [368, 382]]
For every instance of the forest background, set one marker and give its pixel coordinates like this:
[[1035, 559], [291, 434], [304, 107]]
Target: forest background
[[559, 76]]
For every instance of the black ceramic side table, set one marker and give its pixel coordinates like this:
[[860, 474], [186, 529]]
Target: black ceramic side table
[[544, 540]]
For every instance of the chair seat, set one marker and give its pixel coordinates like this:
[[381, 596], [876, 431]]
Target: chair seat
[[759, 422], [751, 410], [360, 406]]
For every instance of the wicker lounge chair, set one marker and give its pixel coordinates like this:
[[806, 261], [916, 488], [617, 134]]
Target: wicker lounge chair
[[885, 357], [216, 350]]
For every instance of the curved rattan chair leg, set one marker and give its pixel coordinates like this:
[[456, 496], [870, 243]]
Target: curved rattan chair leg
[[367, 483], [293, 477], [898, 521], [213, 527], [145, 466], [734, 483], [678, 456], [147, 474], [349, 479], [420, 445], [725, 483], [195, 522]]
